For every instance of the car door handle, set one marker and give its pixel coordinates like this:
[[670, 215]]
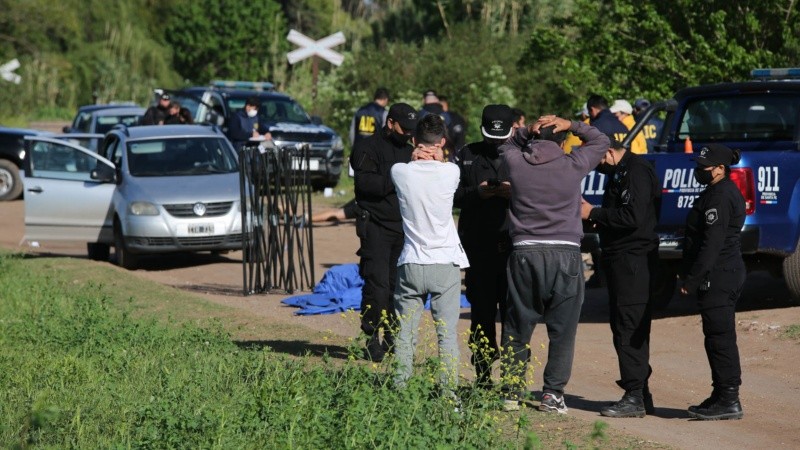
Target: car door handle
[[36, 189]]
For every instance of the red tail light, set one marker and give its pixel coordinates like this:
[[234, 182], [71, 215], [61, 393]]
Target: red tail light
[[747, 186]]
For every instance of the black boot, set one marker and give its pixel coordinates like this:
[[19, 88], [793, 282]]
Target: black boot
[[388, 342], [631, 405], [726, 406], [647, 398], [705, 403], [374, 351]]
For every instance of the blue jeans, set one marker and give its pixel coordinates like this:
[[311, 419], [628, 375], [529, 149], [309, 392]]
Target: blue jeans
[[415, 282]]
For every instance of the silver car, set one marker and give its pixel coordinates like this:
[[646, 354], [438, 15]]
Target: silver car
[[150, 189]]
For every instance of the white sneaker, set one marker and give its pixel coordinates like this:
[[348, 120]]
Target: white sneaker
[[510, 405], [553, 403]]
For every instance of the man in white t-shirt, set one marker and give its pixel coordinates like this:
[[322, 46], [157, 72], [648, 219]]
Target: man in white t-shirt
[[432, 256]]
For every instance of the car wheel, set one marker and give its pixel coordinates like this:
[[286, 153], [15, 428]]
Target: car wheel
[[791, 274], [10, 181], [97, 251], [125, 258]]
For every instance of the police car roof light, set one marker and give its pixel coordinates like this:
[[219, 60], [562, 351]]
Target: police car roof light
[[792, 72], [253, 85]]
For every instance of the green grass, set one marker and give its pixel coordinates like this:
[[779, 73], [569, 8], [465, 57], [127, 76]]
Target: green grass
[[92, 357], [792, 332]]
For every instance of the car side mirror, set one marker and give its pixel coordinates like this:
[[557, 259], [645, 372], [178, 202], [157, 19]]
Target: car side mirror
[[316, 120], [67, 129], [104, 173]]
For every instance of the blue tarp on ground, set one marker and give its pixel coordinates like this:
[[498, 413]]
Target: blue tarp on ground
[[338, 291]]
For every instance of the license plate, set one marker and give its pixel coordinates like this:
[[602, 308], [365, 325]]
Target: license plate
[[201, 228], [300, 164]]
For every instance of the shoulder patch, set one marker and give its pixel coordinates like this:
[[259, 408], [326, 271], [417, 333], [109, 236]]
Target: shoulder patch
[[711, 216]]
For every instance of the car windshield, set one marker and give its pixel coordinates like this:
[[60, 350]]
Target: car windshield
[[756, 117], [180, 156], [274, 110]]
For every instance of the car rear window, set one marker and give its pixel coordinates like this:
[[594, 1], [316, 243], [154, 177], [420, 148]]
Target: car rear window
[[751, 117]]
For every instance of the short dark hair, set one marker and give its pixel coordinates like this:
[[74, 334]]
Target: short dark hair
[[518, 114], [546, 134], [253, 101], [442, 98], [381, 94], [596, 101], [430, 130]]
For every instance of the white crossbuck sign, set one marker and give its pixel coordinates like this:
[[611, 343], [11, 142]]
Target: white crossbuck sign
[[310, 47], [7, 71]]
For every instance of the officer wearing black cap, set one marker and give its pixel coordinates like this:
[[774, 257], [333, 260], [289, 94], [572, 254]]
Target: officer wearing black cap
[[715, 272], [379, 224], [482, 195], [156, 114], [626, 224]]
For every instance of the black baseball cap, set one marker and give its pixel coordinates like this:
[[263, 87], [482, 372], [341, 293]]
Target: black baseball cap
[[165, 96], [496, 121], [405, 115], [715, 155]]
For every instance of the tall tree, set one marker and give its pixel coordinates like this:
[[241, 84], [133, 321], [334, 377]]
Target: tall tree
[[233, 39]]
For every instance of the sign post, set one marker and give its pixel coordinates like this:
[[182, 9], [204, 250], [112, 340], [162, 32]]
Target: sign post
[[7, 71], [315, 49]]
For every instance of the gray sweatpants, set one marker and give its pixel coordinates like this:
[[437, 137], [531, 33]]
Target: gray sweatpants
[[544, 281], [415, 282]]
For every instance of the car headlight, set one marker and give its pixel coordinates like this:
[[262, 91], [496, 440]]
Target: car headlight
[[143, 209], [337, 143]]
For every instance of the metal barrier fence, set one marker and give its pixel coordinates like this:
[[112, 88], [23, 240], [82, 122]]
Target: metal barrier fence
[[277, 237]]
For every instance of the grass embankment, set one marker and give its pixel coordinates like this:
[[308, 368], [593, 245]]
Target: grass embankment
[[92, 357]]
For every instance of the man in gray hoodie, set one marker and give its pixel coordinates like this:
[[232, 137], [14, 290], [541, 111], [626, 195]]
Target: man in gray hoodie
[[545, 273]]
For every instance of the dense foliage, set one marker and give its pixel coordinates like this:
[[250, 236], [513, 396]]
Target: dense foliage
[[540, 55]]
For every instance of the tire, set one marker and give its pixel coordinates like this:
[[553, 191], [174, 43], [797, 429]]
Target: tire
[[663, 281], [125, 258], [10, 181], [791, 274], [97, 251]]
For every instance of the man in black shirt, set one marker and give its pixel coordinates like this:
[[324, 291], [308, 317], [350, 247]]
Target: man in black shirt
[[379, 224], [156, 114], [626, 223]]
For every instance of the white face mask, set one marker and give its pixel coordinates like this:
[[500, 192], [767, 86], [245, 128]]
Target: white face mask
[[252, 113]]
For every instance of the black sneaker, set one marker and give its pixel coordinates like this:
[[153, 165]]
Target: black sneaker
[[552, 402], [374, 351], [629, 406]]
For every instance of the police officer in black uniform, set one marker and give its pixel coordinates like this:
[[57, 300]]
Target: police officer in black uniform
[[379, 224], [715, 272], [626, 224], [370, 118], [483, 195]]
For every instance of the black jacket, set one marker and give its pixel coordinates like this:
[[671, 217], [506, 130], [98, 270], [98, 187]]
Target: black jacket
[[373, 159], [367, 121], [713, 229], [627, 219], [480, 223]]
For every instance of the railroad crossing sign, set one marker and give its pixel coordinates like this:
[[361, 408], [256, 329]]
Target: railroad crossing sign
[[7, 71], [310, 47]]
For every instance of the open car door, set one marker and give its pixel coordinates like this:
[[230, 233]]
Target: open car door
[[63, 201]]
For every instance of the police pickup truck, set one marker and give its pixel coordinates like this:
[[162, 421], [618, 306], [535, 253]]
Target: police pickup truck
[[286, 120], [762, 119]]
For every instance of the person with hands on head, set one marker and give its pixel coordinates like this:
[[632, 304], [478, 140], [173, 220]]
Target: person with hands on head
[[432, 256], [545, 269], [482, 195], [626, 224], [714, 270]]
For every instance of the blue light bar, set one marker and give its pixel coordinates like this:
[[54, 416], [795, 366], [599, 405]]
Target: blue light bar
[[252, 85], [793, 72]]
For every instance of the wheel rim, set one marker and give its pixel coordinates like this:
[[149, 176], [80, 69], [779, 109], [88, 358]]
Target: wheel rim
[[6, 182]]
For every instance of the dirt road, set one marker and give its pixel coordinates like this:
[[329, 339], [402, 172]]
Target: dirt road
[[770, 393]]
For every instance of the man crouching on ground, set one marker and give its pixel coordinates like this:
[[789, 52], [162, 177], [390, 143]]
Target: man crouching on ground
[[432, 255]]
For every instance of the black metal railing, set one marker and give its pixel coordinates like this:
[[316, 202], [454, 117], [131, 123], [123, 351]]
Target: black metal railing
[[277, 237]]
